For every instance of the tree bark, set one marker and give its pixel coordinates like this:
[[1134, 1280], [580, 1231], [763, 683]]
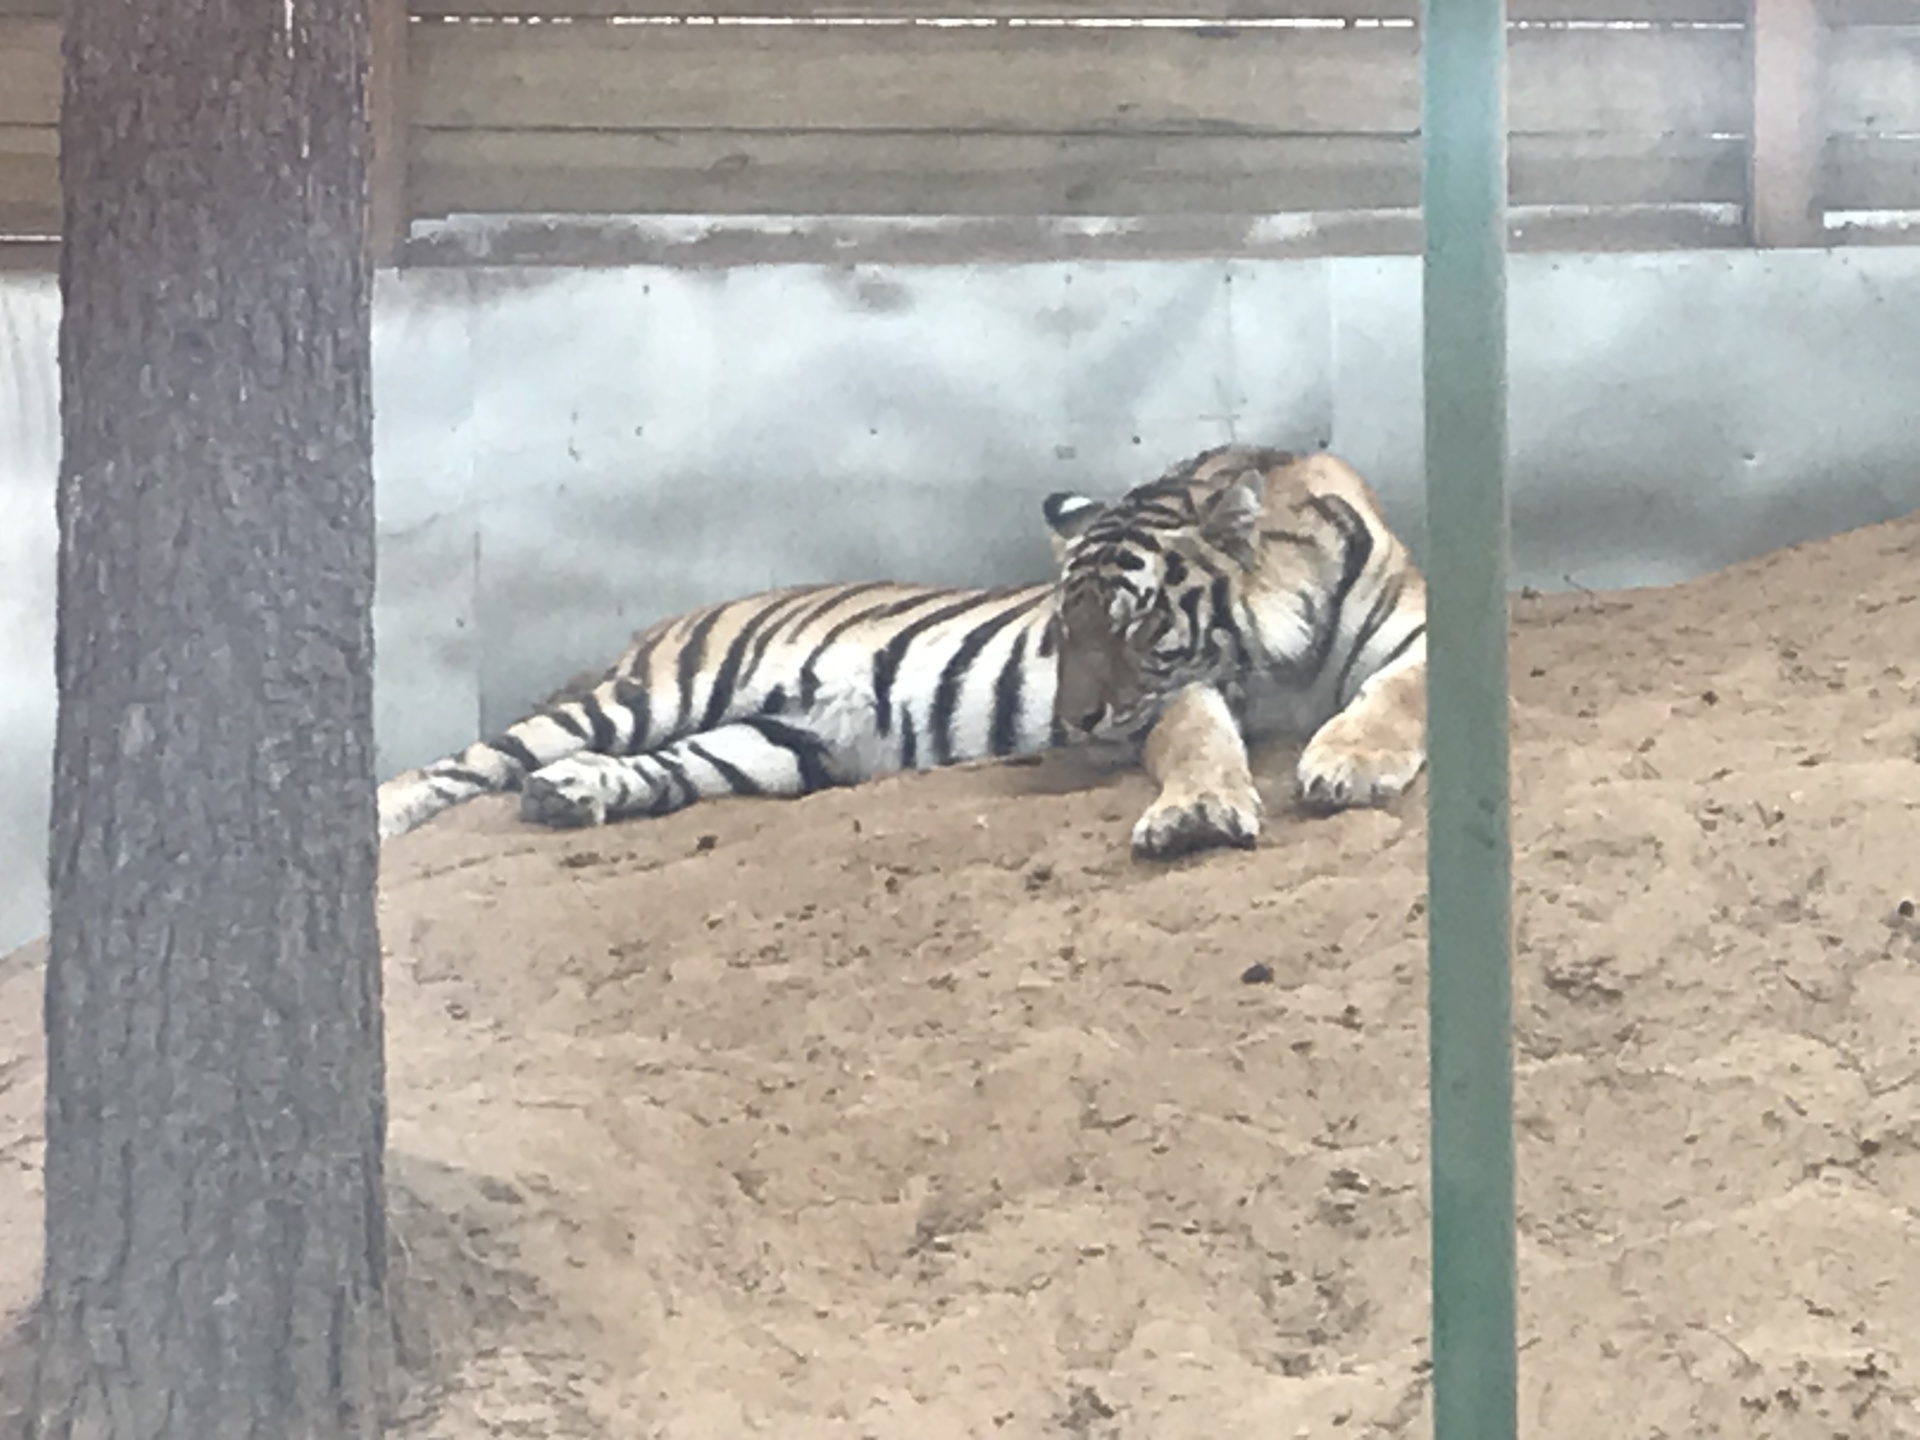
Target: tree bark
[[215, 1201]]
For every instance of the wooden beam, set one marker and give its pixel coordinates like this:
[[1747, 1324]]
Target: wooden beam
[[1871, 80], [615, 77], [582, 172], [1015, 240], [388, 116], [1838, 13], [29, 72], [1872, 172], [1051, 81], [1900, 231], [29, 180], [30, 257], [1789, 129]]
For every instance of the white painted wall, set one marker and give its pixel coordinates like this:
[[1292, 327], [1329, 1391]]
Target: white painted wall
[[564, 455]]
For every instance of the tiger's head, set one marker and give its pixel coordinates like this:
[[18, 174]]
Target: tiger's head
[[1146, 588]]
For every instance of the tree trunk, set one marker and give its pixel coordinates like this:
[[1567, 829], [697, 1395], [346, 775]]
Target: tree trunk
[[215, 1202]]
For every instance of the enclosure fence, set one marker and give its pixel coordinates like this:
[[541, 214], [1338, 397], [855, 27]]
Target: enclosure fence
[[1132, 126]]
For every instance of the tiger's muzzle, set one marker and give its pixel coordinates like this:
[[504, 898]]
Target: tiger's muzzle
[[1098, 692]]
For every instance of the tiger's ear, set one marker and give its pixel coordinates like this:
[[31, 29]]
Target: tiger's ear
[[1067, 515], [1230, 516]]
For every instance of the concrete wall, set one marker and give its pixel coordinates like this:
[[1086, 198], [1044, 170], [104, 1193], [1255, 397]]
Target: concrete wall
[[564, 455], [29, 453]]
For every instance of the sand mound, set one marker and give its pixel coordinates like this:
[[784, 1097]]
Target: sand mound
[[921, 1110]]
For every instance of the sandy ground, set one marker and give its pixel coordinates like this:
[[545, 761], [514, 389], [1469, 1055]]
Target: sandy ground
[[921, 1111]]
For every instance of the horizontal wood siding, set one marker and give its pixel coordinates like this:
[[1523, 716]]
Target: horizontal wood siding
[[1771, 111], [1873, 80], [29, 180], [29, 72], [1872, 172], [1871, 106], [734, 173], [1003, 239], [1051, 81], [1870, 12]]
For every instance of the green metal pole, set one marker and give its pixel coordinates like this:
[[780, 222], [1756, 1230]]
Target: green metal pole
[[1469, 857]]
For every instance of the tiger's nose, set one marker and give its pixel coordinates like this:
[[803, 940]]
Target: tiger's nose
[[1090, 719]]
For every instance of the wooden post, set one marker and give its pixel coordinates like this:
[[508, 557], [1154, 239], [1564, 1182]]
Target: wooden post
[[1789, 124], [388, 216]]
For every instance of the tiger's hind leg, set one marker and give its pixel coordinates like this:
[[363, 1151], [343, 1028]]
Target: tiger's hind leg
[[1370, 752], [760, 756], [1207, 796]]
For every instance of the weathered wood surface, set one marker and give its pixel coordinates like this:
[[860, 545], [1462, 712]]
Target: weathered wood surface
[[1008, 239], [1273, 82], [389, 92], [29, 180], [1873, 80], [557, 171], [1203, 114], [1871, 172], [1789, 134], [29, 72]]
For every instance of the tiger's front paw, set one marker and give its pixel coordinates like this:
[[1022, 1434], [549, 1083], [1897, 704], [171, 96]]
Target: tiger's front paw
[[1213, 819], [569, 794], [1343, 768]]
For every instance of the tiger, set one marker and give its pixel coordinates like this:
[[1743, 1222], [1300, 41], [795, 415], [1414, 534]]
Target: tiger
[[1245, 589], [1249, 593]]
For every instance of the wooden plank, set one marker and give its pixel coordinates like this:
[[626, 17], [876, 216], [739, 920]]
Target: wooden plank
[[1615, 231], [387, 96], [1899, 232], [742, 173], [29, 72], [1872, 172], [1016, 241], [1000, 80], [33, 257], [916, 79], [983, 241], [1615, 82], [29, 180], [1605, 170], [1788, 132], [1873, 80], [1722, 11], [1837, 13]]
